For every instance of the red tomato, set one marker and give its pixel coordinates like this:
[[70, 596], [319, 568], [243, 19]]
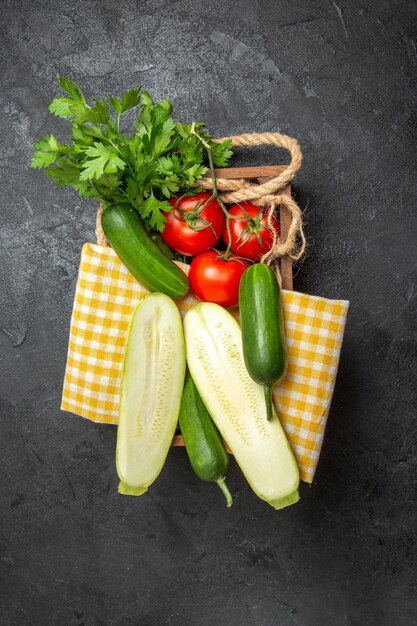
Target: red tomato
[[190, 230], [214, 279], [251, 237]]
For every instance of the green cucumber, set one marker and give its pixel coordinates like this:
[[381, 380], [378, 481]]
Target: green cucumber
[[262, 323], [150, 395], [125, 231], [205, 449], [236, 403]]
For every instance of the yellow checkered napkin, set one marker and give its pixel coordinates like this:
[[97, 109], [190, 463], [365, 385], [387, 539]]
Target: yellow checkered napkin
[[105, 296]]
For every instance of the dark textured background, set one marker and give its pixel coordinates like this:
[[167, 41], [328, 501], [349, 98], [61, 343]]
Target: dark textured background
[[341, 77]]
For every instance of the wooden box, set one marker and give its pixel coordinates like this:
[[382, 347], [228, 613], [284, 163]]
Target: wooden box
[[260, 174]]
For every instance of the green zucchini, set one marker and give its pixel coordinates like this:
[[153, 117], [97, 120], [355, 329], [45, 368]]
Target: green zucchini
[[262, 323], [150, 395], [125, 231], [236, 403], [203, 443]]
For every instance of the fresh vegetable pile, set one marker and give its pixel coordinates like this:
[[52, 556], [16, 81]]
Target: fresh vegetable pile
[[155, 214]]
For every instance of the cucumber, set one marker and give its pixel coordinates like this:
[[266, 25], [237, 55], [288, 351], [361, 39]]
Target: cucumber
[[236, 403], [262, 323], [203, 443], [125, 231], [151, 389]]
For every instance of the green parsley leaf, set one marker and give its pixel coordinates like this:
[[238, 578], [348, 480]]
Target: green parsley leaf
[[103, 160], [116, 104], [194, 172], [47, 152], [221, 153], [65, 173], [42, 159], [72, 90], [151, 211], [129, 100], [97, 114], [163, 138], [62, 107]]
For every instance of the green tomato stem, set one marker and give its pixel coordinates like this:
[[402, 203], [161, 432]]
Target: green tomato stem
[[215, 193], [227, 494]]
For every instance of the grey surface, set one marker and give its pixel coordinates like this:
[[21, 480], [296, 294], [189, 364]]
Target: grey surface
[[341, 77]]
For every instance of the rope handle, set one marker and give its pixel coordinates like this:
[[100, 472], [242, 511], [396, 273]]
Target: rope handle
[[242, 190], [100, 236]]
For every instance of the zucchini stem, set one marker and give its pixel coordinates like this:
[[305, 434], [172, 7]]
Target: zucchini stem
[[226, 492], [268, 402]]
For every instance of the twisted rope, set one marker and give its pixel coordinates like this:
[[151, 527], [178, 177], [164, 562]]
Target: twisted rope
[[267, 195], [243, 191], [100, 236], [264, 195]]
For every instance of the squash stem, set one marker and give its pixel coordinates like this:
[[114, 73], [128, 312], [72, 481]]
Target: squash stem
[[227, 494], [268, 402]]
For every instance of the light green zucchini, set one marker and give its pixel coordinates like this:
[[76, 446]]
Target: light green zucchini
[[236, 403], [151, 390]]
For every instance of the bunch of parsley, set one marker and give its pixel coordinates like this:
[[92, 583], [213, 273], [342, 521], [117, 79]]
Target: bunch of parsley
[[162, 158]]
